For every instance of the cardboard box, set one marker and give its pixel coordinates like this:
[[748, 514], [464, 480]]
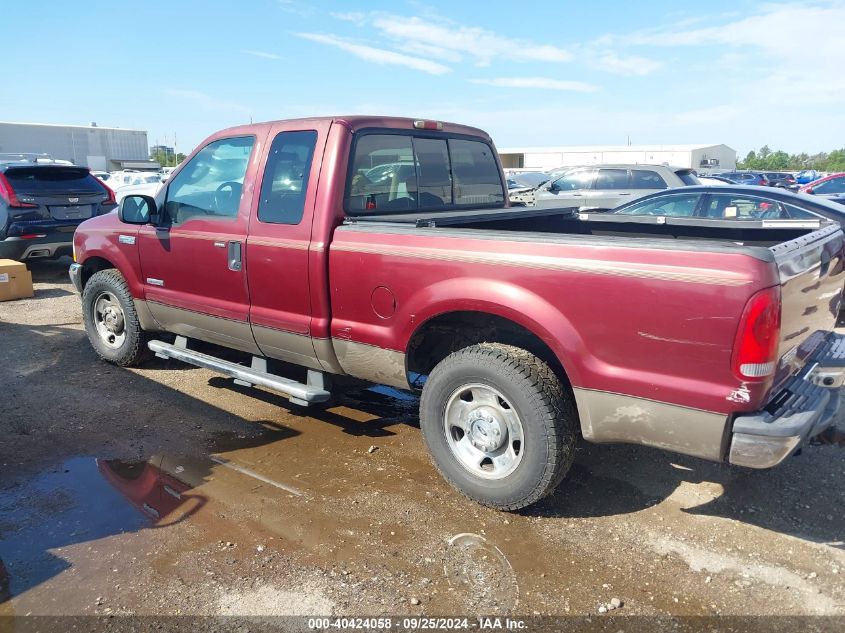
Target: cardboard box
[[15, 280]]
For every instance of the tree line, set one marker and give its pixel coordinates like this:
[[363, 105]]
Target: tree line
[[767, 160], [167, 160]]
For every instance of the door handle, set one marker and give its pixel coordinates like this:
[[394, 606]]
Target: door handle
[[234, 255]]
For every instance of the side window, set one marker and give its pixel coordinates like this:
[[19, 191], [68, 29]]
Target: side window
[[285, 181], [383, 174], [575, 180], [612, 179], [680, 206], [834, 185], [477, 180], [647, 179], [739, 207], [210, 185]]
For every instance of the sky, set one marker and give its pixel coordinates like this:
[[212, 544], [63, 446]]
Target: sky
[[531, 74]]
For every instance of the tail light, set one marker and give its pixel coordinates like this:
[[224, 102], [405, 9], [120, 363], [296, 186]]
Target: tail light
[[756, 345], [8, 194], [111, 200]]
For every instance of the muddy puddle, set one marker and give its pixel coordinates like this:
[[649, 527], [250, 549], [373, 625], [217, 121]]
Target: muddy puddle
[[339, 511]]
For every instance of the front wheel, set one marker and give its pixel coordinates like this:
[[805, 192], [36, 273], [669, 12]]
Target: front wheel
[[111, 321], [499, 425]]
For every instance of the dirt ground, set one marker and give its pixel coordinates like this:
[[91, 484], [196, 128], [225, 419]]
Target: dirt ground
[[168, 490]]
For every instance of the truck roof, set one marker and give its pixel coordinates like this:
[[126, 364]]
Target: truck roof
[[359, 122]]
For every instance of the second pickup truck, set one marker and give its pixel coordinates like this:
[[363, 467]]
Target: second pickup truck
[[385, 249]]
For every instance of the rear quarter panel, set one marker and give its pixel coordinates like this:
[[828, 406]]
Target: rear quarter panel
[[647, 322]]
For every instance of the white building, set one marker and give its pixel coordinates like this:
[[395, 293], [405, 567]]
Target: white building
[[705, 159], [101, 148]]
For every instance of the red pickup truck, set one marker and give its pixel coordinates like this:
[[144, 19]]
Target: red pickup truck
[[386, 249]]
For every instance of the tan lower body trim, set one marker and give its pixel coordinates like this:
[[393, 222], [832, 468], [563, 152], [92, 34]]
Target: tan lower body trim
[[287, 346], [368, 362], [204, 327], [612, 417]]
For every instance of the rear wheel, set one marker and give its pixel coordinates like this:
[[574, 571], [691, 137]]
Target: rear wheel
[[111, 321], [499, 425]]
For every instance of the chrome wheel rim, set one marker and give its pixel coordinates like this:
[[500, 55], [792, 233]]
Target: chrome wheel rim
[[109, 320], [483, 431]]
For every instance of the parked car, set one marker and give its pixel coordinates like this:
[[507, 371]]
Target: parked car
[[42, 203], [714, 180], [806, 176], [609, 185], [144, 189], [507, 321], [746, 177], [527, 180], [125, 179], [781, 179], [102, 175], [828, 187], [734, 202]]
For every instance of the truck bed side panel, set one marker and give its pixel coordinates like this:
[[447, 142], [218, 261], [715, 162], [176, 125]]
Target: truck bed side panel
[[649, 323]]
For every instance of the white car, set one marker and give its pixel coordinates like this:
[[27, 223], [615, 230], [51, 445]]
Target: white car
[[143, 189], [129, 178]]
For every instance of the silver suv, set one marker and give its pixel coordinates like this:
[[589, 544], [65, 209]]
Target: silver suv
[[607, 186]]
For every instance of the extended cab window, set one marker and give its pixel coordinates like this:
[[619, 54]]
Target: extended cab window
[[401, 172], [285, 180], [210, 185]]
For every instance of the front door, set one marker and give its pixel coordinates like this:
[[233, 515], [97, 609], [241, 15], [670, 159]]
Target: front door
[[193, 261]]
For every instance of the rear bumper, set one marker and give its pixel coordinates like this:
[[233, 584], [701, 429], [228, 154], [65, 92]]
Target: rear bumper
[[806, 406], [49, 246]]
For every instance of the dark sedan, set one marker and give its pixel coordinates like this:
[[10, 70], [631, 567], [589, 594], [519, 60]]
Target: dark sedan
[[734, 202]]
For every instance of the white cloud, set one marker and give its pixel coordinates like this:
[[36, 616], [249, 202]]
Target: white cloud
[[537, 82], [438, 38], [207, 102], [262, 54], [627, 64], [378, 55]]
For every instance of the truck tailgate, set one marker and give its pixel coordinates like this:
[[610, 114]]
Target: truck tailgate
[[811, 276]]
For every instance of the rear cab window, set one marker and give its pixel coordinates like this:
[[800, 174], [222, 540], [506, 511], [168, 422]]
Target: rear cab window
[[393, 172]]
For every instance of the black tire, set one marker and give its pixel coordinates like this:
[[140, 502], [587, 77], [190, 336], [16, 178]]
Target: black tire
[[133, 349], [545, 409]]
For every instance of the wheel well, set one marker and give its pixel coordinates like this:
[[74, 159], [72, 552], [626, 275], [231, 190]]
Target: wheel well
[[447, 333], [94, 265]]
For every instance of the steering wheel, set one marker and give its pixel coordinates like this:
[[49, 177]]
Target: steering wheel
[[226, 193], [656, 211]]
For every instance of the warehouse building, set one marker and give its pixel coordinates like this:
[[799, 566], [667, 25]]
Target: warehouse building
[[99, 148], [705, 159]]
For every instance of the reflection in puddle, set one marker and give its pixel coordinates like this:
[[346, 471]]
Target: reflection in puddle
[[71, 504]]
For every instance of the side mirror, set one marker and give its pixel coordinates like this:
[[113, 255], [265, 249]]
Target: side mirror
[[137, 209], [553, 187]]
